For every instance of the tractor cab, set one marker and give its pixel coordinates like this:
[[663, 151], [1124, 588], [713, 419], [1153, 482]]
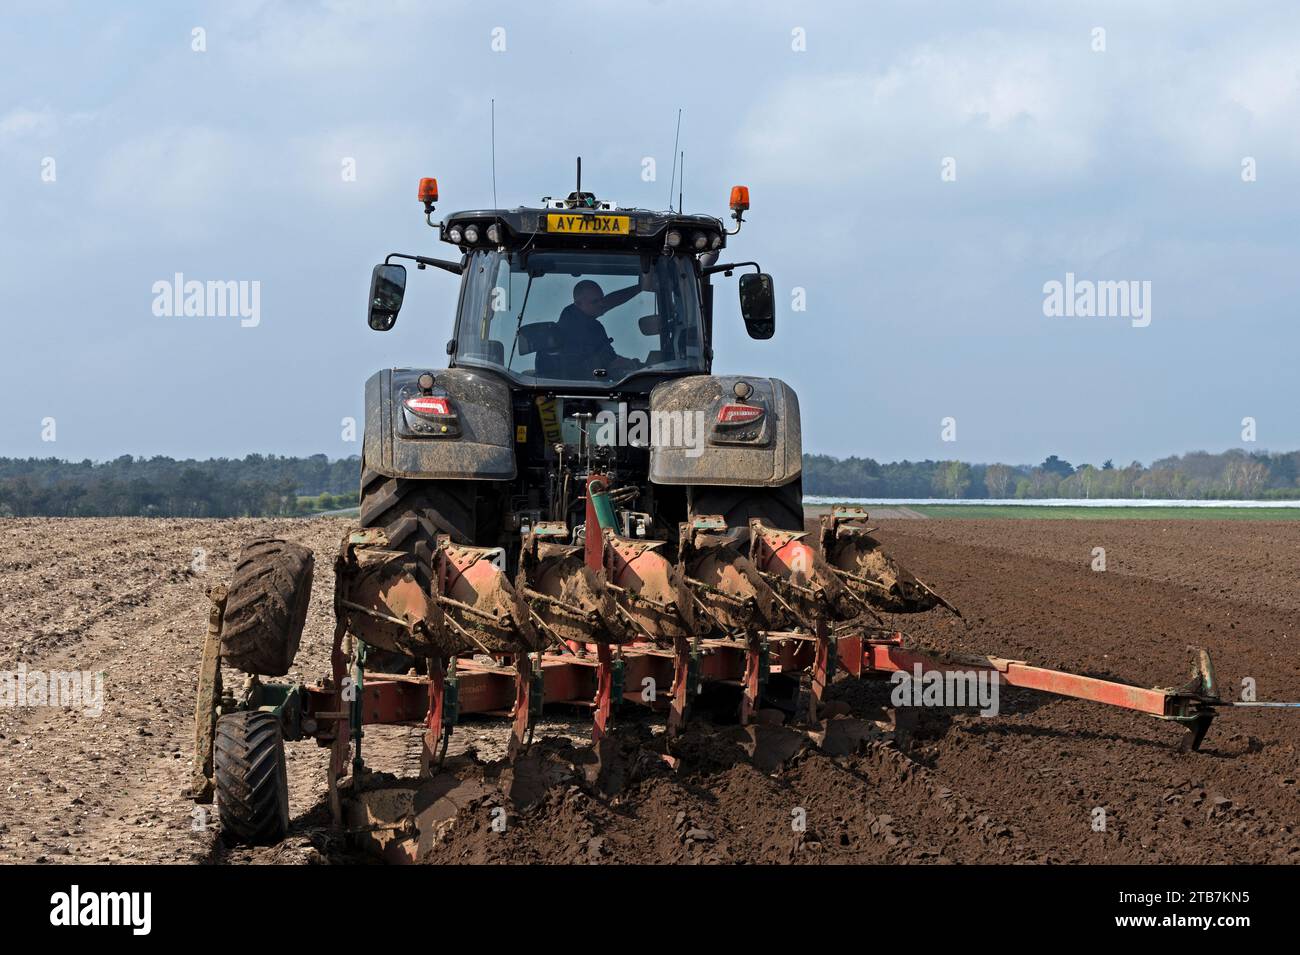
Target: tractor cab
[[581, 294], [579, 317]]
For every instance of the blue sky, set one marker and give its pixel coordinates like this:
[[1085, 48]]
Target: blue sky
[[924, 297]]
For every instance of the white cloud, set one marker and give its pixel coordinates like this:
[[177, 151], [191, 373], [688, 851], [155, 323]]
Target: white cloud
[[178, 178], [25, 122], [996, 104], [387, 158], [1216, 107], [1017, 109], [330, 39]]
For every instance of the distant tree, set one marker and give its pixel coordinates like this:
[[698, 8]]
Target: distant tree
[[1086, 477], [1043, 483], [1054, 465], [1156, 482], [1245, 478], [952, 479], [997, 480]]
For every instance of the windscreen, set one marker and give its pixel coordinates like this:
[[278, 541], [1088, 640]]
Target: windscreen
[[580, 317]]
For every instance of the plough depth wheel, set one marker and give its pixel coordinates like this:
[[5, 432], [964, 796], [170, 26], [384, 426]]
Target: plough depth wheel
[[252, 783]]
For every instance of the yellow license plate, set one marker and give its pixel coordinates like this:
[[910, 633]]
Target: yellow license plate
[[588, 224]]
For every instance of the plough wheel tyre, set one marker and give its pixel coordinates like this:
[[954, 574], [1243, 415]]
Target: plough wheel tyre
[[267, 606], [780, 508], [252, 784]]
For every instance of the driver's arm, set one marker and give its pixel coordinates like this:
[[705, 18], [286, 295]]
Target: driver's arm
[[619, 296]]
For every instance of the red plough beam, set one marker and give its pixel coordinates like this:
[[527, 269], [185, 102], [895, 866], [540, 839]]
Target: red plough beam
[[492, 688]]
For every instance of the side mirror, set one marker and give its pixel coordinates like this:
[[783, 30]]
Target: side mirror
[[758, 305], [387, 288]]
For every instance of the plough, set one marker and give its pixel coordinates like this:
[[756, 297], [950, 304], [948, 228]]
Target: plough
[[605, 622]]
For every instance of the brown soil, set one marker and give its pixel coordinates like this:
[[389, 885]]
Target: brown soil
[[123, 597]]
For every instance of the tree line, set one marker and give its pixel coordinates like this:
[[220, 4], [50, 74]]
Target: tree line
[[258, 485], [276, 486], [1197, 475]]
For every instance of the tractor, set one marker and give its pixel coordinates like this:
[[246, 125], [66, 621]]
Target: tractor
[[572, 509]]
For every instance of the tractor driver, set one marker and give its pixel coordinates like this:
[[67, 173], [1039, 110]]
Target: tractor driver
[[586, 344]]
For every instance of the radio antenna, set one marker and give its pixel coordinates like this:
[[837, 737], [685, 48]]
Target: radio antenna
[[676, 140], [494, 154]]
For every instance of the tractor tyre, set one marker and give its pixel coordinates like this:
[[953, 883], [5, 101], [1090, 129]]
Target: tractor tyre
[[252, 783], [267, 606], [780, 508], [412, 513]]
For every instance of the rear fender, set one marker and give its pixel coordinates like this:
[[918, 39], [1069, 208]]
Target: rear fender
[[478, 446], [766, 452]]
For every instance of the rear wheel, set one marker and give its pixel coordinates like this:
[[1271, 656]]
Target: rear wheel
[[252, 782], [412, 513], [267, 606]]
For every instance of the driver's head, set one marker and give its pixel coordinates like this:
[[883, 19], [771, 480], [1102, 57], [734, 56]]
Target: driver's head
[[587, 295]]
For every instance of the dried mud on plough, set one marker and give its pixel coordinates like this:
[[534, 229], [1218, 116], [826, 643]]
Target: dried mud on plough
[[427, 636]]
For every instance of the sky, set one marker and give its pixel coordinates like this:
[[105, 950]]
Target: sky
[[920, 173]]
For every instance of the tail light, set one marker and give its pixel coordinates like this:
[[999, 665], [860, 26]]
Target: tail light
[[429, 406], [734, 415], [740, 424], [432, 416]]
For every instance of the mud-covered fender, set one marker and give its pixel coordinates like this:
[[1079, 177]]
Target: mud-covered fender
[[762, 451], [400, 444]]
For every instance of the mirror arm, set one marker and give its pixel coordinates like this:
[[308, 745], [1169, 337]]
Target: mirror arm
[[729, 267], [456, 268]]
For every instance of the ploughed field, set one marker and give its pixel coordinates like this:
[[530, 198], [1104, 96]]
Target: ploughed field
[[125, 597]]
